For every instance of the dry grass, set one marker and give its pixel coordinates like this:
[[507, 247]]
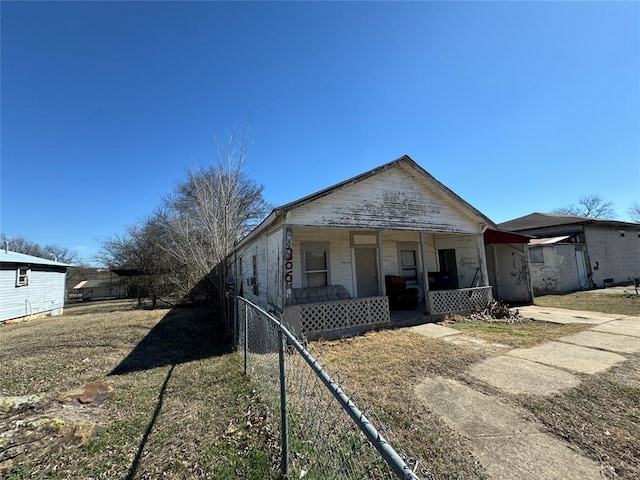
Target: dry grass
[[516, 334], [601, 416], [594, 301], [181, 405], [384, 367]]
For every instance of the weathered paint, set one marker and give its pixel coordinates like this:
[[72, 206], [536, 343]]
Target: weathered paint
[[618, 256], [396, 199], [396, 205], [275, 266], [509, 272], [558, 272], [43, 295], [468, 258]]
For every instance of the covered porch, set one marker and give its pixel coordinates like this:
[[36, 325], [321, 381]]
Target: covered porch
[[445, 271]]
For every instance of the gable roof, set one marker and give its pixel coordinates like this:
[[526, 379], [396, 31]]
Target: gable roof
[[404, 160], [537, 220], [22, 258]]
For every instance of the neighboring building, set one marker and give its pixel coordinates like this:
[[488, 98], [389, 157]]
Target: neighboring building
[[349, 239], [576, 253], [30, 286], [98, 289], [508, 266]]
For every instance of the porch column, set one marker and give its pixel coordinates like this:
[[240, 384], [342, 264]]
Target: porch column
[[496, 273], [425, 273], [381, 285], [482, 256]]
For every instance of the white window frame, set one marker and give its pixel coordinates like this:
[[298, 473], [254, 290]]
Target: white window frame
[[315, 247], [409, 247], [23, 275]]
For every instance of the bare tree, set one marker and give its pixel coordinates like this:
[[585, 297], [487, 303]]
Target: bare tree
[[209, 212], [634, 212], [139, 251], [56, 253], [592, 206], [196, 226]]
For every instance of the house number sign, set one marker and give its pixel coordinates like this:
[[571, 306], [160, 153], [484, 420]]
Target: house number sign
[[288, 265]]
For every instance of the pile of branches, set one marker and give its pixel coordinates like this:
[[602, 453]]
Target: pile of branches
[[496, 310]]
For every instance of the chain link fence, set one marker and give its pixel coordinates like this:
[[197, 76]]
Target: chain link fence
[[324, 432]]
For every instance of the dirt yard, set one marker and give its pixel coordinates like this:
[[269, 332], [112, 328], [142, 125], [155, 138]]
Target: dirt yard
[[109, 391]]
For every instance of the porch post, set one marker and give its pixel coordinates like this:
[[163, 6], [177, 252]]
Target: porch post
[[496, 273], [381, 285], [482, 256], [425, 273]]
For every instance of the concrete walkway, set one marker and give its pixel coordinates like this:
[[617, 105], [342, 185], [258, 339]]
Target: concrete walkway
[[524, 451], [507, 444]]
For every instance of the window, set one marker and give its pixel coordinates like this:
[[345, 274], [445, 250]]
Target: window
[[536, 255], [253, 281], [621, 233], [316, 271], [315, 264], [254, 271], [409, 265], [22, 277]]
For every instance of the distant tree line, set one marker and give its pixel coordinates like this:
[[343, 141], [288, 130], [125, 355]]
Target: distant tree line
[[593, 206], [174, 250], [56, 253]]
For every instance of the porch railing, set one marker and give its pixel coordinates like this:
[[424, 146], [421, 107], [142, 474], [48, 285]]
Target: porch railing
[[324, 317], [460, 300]]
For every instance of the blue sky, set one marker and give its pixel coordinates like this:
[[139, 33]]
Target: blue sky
[[516, 106]]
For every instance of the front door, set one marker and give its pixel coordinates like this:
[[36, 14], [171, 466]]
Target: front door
[[366, 272], [449, 265]]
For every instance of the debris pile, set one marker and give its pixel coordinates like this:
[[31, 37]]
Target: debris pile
[[34, 426], [496, 310]]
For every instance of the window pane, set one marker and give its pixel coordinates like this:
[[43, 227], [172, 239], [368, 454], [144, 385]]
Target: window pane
[[315, 260], [536, 255], [408, 258], [410, 274], [317, 279]]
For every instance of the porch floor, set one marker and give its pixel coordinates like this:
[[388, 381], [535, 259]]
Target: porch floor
[[415, 317]]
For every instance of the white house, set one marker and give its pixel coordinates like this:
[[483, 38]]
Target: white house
[[577, 253], [30, 286], [326, 263]]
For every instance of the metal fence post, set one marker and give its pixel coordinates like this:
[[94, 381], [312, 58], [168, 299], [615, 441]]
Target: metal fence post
[[245, 334], [283, 405]]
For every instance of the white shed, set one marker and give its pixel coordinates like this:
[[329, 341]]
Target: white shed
[[577, 253], [30, 286]]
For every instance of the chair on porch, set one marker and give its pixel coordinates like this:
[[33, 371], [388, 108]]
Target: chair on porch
[[400, 297]]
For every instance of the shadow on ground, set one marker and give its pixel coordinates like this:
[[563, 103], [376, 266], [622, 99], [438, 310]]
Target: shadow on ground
[[183, 335]]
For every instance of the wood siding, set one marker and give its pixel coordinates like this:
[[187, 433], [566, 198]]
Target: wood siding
[[340, 259], [396, 199], [467, 257], [275, 263], [43, 295]]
